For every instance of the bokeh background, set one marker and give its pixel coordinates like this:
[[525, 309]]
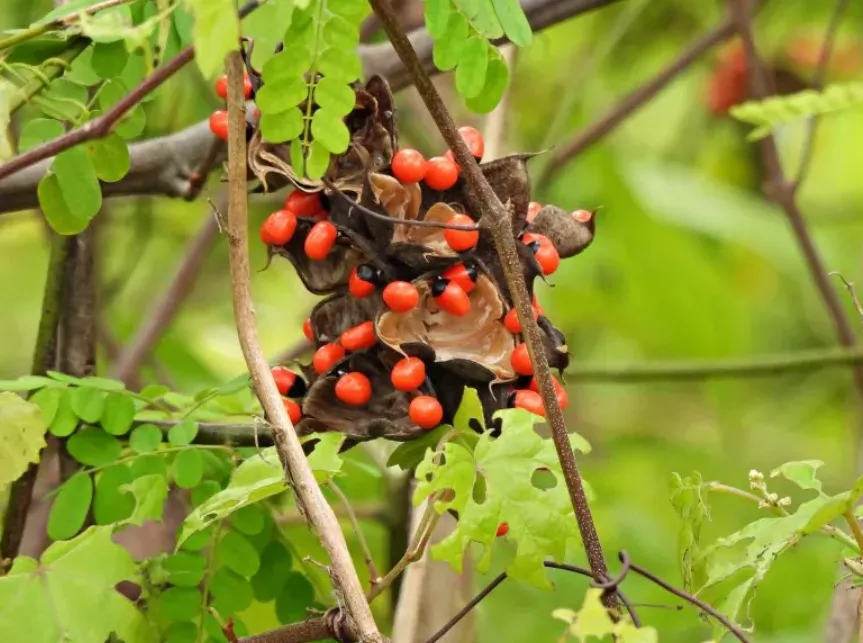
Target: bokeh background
[[690, 262]]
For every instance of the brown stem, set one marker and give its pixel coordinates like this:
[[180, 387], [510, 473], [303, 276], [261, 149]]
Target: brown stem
[[594, 132], [44, 355], [313, 630], [165, 309], [290, 451], [494, 218]]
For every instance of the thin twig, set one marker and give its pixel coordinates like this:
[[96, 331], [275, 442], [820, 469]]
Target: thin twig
[[290, 451], [851, 291], [494, 217], [417, 223], [817, 82], [594, 132], [355, 525], [165, 309], [44, 355], [101, 127], [855, 529]]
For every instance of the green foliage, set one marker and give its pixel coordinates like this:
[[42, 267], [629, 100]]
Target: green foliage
[[321, 39], [593, 622], [22, 436], [462, 31], [773, 112], [70, 594], [216, 33], [497, 482]]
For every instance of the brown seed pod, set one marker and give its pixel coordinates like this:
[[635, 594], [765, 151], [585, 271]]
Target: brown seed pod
[[567, 233]]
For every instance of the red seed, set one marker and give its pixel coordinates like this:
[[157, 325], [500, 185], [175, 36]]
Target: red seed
[[219, 124], [401, 296], [307, 330], [320, 240], [441, 173], [408, 374], [559, 391], [461, 240], [529, 401], [409, 166], [359, 337], [474, 141], [278, 228], [326, 357], [295, 413], [425, 411], [464, 275], [284, 378], [354, 389], [304, 204], [502, 529], [511, 322], [520, 360], [451, 297], [359, 287]]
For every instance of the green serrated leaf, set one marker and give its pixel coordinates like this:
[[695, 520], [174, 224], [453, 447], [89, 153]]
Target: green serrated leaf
[[330, 130], [111, 503], [109, 58], [447, 49], [285, 126], [472, 67], [54, 207], [88, 403], [93, 447], [183, 433], [513, 21], [437, 13], [340, 64], [216, 33], [65, 420], [188, 468], [78, 182], [276, 564], [237, 553], [803, 473], [496, 81], [493, 485], [110, 157], [334, 96], [317, 161], [145, 438], [150, 493], [73, 592], [22, 436], [48, 401], [118, 413], [70, 507]]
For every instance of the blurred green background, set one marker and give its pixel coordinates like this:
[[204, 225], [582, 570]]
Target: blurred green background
[[690, 262]]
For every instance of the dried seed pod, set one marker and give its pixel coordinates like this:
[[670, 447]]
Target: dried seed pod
[[569, 234]]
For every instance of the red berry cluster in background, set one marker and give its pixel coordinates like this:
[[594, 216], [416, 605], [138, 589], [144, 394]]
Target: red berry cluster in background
[[219, 118], [411, 315]]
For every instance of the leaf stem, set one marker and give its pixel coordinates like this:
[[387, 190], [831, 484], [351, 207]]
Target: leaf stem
[[855, 529]]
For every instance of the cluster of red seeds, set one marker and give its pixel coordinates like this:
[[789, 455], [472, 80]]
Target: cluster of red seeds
[[219, 118]]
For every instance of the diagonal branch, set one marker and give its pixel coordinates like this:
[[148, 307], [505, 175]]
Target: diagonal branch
[[167, 165], [493, 216], [299, 474]]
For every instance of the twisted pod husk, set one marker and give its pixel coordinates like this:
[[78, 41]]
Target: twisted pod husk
[[364, 202]]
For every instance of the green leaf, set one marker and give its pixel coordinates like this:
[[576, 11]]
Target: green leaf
[[133, 122], [118, 413], [65, 420], [278, 97], [249, 520], [772, 112], [154, 391], [296, 595], [22, 436], [78, 182], [183, 433], [470, 408], [318, 160], [110, 157], [514, 22], [472, 67], [446, 51], [496, 81], [482, 17], [231, 592], [267, 26], [25, 383], [112, 504], [37, 131], [109, 25], [48, 401], [101, 383], [70, 507], [325, 460], [54, 207], [329, 129], [8, 93], [185, 569], [352, 10], [188, 468], [150, 493], [216, 33], [82, 69], [688, 497], [340, 64], [276, 564], [145, 438], [238, 554], [182, 631], [802, 473], [88, 403], [287, 66], [437, 13], [493, 485], [341, 33], [285, 126], [593, 622], [109, 58], [334, 96], [71, 594], [178, 603], [93, 447]]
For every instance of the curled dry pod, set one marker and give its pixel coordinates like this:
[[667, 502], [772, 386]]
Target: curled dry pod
[[569, 233], [475, 345], [385, 415], [340, 312]]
